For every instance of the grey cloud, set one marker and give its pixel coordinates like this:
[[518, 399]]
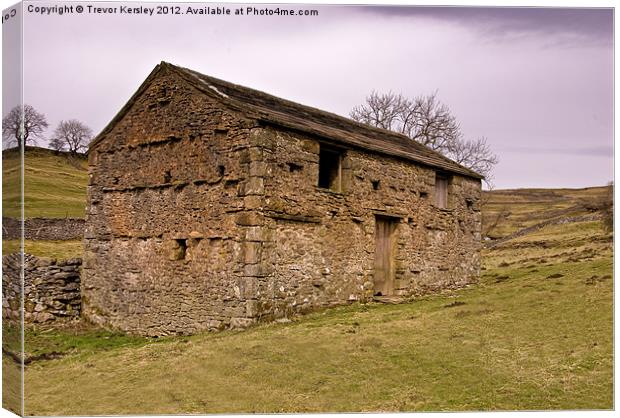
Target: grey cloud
[[578, 25]]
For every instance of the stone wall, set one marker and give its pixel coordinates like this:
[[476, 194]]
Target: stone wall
[[199, 218], [43, 228], [51, 288], [316, 246]]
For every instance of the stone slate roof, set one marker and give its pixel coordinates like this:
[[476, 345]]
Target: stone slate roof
[[329, 126]]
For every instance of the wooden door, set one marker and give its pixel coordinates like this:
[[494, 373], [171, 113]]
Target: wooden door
[[384, 255]]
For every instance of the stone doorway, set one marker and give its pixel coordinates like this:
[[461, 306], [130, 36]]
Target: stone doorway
[[385, 232]]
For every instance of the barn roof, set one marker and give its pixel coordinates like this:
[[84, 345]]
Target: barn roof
[[329, 126]]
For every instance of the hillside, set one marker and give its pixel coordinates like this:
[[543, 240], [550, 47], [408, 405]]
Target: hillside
[[507, 211], [54, 185]]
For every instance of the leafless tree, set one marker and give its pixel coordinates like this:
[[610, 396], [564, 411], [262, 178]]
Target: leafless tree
[[23, 124], [57, 144], [74, 134], [428, 121], [475, 155], [384, 111]]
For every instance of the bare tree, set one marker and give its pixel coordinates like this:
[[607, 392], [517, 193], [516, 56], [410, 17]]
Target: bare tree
[[23, 124], [57, 144], [475, 155], [383, 111], [74, 134], [423, 119], [426, 120]]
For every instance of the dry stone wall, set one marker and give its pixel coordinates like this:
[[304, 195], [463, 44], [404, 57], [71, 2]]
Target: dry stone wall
[[43, 228], [51, 288]]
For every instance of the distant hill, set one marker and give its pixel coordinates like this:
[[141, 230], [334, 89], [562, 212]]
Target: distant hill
[[507, 211], [54, 185]]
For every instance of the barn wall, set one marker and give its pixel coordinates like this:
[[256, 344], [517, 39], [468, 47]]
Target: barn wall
[[319, 244], [167, 215]]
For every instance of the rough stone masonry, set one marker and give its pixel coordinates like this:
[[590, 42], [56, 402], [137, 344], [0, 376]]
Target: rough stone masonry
[[211, 205], [51, 288]]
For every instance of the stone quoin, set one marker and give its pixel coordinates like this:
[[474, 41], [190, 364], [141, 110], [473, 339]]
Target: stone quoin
[[212, 206]]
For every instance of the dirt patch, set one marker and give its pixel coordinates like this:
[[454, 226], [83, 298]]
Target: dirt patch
[[555, 276], [596, 279], [29, 359], [465, 313], [500, 279]]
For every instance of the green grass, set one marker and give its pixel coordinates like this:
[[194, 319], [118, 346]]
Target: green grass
[[79, 338], [54, 187], [53, 249], [535, 333], [11, 370], [11, 385]]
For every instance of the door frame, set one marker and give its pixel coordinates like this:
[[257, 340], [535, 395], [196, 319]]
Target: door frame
[[387, 286]]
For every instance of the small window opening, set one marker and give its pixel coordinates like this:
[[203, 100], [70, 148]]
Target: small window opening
[[221, 170], [178, 249], [292, 167], [167, 176], [182, 248], [423, 195], [441, 191], [329, 169], [231, 183], [375, 184], [220, 133]]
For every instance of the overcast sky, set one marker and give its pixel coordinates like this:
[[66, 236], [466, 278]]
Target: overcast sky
[[536, 82]]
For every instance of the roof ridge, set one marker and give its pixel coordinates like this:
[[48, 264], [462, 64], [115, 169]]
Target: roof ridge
[[347, 124], [295, 104]]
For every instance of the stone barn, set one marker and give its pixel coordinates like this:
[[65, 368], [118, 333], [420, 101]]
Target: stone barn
[[212, 205]]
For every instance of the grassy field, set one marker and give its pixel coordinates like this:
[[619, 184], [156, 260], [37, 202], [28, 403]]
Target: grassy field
[[45, 248], [11, 385], [54, 186], [11, 370], [535, 333]]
